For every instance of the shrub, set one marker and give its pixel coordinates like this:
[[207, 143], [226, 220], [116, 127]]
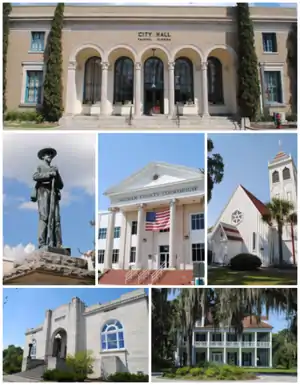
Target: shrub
[[245, 261], [183, 371], [195, 372], [292, 118], [127, 377], [169, 375], [55, 375], [212, 371], [264, 118], [24, 116]]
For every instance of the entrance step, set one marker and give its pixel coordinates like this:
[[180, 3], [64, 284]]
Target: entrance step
[[34, 374], [196, 123]]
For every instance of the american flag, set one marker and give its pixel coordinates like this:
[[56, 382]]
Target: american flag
[[156, 221]]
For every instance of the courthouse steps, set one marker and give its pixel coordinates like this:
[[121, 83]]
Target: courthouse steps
[[167, 277], [158, 122], [31, 375]]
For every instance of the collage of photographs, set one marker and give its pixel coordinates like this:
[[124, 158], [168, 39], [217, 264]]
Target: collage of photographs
[[149, 192]]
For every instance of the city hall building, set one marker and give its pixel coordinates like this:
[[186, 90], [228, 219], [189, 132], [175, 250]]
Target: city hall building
[[148, 58], [131, 239], [106, 330]]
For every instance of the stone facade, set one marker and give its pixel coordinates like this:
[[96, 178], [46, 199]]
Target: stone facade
[[108, 33], [75, 327]]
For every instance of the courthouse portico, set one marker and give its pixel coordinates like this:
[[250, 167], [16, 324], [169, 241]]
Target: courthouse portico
[[148, 59], [124, 241]]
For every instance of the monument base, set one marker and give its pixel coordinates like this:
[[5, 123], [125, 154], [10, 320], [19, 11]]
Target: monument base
[[57, 250], [43, 267]]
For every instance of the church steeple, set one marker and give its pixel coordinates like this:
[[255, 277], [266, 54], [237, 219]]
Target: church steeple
[[283, 177]]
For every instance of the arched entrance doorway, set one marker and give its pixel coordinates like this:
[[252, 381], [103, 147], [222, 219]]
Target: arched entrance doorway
[[153, 86], [59, 344], [92, 80]]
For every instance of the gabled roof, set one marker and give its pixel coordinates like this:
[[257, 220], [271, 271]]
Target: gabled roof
[[159, 169], [261, 207], [249, 322], [231, 232]]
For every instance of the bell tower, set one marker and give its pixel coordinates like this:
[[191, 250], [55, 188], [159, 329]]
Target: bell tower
[[283, 177]]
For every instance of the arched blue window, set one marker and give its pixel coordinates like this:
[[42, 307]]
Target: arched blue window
[[112, 335], [33, 349], [123, 85], [215, 81]]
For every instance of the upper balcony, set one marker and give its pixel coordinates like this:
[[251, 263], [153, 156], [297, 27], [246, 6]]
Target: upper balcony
[[232, 344]]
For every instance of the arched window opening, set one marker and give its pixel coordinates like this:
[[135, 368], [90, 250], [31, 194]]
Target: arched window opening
[[33, 349], [184, 81], [215, 81], [275, 177], [92, 80], [123, 81], [286, 173], [112, 335]]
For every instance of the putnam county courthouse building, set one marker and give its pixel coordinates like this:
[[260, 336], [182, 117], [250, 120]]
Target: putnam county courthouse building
[[149, 58], [221, 345], [117, 344], [155, 222]]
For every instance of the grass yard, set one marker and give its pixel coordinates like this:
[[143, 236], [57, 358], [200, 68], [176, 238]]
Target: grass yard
[[264, 276], [272, 370], [28, 126]]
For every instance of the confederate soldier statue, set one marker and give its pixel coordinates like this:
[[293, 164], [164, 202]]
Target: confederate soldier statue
[[47, 194]]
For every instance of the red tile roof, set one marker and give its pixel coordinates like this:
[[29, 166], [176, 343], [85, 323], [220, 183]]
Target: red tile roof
[[261, 207], [249, 322], [168, 277], [231, 232]]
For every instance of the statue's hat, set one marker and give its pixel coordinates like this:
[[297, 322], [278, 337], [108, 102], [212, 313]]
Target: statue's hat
[[48, 150]]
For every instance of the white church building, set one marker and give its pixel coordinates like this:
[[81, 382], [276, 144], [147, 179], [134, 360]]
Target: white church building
[[107, 330], [240, 228], [126, 239]]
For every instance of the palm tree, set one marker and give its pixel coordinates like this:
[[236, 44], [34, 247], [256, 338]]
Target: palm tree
[[293, 219], [279, 211]]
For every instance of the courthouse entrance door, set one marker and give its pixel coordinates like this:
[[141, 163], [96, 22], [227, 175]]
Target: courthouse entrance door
[[164, 256], [153, 86]]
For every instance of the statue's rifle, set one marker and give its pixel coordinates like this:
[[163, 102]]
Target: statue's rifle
[[50, 232]]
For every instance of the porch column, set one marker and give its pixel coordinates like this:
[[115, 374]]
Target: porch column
[[193, 350], [270, 351], [172, 235], [71, 88], [140, 232], [224, 353], [207, 353], [105, 66], [205, 112], [110, 239], [171, 89], [137, 96], [255, 349], [240, 352]]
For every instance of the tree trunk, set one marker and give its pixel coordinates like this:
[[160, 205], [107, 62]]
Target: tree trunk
[[293, 243], [280, 244], [189, 348]]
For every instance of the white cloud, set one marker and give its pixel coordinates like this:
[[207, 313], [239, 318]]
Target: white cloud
[[75, 159], [28, 206], [66, 199], [17, 253]]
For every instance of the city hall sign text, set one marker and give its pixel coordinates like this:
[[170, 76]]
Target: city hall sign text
[[150, 36]]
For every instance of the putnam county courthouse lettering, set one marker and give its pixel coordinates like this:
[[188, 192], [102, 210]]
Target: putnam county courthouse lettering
[[149, 59]]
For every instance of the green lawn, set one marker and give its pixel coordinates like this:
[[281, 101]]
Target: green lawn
[[28, 125], [264, 276], [272, 370]]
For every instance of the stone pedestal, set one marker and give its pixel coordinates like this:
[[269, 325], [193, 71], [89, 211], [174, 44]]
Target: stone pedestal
[[44, 267]]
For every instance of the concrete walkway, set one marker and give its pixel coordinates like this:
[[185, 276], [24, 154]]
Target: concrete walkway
[[15, 378], [271, 378]]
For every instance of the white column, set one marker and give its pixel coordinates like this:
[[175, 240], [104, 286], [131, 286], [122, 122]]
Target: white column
[[224, 353], [193, 350], [270, 351], [105, 66], [172, 234], [207, 353], [139, 241], [240, 352], [171, 89], [137, 91], [110, 239], [71, 88], [255, 349], [205, 111]]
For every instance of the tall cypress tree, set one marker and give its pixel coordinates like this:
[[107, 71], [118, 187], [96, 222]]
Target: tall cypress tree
[[6, 12], [248, 80], [53, 87]]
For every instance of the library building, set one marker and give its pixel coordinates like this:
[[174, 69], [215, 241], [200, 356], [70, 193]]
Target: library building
[[148, 59]]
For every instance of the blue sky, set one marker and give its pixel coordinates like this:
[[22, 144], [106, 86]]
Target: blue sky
[[246, 159], [277, 320], [76, 162], [121, 155], [25, 308]]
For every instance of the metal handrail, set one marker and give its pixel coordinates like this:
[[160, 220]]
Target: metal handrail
[[130, 275], [130, 117], [177, 115], [142, 275], [156, 275]]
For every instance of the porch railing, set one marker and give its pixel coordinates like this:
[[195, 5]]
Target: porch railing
[[232, 344], [158, 273], [143, 275], [130, 275]]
